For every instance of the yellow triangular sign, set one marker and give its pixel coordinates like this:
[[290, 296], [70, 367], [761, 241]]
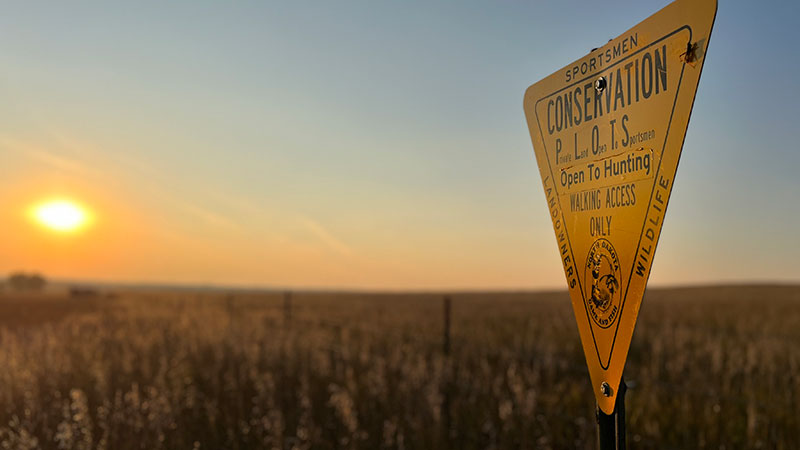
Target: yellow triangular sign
[[607, 131]]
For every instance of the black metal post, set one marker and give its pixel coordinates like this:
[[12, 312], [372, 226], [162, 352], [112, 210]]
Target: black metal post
[[611, 427]]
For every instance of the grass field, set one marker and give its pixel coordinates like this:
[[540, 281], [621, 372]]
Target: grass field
[[715, 367]]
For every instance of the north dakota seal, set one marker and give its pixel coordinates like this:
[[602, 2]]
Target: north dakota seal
[[602, 280]]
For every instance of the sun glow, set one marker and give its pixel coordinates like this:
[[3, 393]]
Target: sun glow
[[61, 215]]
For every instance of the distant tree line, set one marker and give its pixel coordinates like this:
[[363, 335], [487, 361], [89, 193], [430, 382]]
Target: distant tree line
[[20, 281]]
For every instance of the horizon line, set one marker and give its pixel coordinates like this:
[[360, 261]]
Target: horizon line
[[212, 286]]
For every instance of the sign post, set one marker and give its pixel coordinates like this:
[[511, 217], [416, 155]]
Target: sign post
[[611, 427], [608, 131]]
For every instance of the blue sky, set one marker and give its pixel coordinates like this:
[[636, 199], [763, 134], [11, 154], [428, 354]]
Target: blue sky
[[366, 144]]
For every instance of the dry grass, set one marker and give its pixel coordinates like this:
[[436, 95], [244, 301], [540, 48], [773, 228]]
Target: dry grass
[[708, 367]]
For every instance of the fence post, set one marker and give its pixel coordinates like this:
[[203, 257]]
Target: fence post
[[446, 343], [231, 309], [447, 420], [287, 309]]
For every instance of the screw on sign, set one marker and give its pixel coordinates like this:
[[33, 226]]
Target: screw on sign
[[607, 132]]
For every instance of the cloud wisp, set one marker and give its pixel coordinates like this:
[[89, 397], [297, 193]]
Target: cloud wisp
[[325, 236]]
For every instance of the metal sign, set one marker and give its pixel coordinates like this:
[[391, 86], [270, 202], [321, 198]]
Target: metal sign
[[607, 131]]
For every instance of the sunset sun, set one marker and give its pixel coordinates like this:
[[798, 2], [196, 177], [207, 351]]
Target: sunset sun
[[61, 215]]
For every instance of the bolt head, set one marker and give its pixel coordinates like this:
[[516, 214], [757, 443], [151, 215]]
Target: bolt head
[[606, 390]]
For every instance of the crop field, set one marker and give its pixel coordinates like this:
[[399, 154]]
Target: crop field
[[715, 367]]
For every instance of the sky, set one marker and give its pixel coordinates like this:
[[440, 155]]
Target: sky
[[362, 144]]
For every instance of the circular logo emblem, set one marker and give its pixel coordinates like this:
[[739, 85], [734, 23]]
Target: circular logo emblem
[[602, 283]]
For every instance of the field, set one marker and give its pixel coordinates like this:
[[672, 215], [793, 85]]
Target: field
[[715, 367]]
